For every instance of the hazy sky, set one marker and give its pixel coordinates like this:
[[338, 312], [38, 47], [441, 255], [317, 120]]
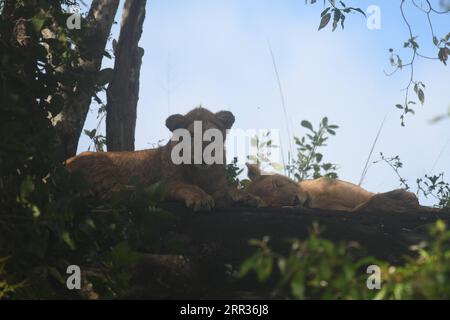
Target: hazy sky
[[216, 53]]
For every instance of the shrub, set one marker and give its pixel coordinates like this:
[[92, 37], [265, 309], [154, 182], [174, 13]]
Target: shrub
[[318, 268], [309, 162]]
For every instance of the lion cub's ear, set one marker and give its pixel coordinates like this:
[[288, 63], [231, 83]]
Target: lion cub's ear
[[175, 121], [225, 117], [253, 170]]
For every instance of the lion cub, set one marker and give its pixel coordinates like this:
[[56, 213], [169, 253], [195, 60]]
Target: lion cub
[[277, 190], [199, 186]]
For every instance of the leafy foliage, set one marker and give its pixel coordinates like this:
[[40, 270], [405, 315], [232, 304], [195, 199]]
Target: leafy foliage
[[436, 187], [317, 268], [396, 164], [101, 236], [264, 147], [309, 162], [48, 218], [424, 277], [336, 11], [429, 185], [335, 14], [442, 46], [31, 222], [98, 139], [6, 288], [233, 172]]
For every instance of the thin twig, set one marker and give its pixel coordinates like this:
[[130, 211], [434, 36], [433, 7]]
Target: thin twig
[[366, 166], [283, 101]]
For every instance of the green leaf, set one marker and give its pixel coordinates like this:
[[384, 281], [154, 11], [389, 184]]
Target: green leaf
[[122, 255], [342, 21], [36, 211], [247, 266], [90, 223], [443, 55], [38, 21], [447, 36], [26, 188], [421, 96], [91, 134], [360, 11], [336, 17], [319, 157], [264, 268], [435, 41], [298, 286], [68, 240], [245, 182], [440, 225], [324, 12], [324, 21], [307, 124], [399, 62]]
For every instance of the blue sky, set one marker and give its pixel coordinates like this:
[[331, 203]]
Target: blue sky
[[216, 53]]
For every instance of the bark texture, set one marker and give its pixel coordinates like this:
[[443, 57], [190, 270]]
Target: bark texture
[[123, 90], [70, 121]]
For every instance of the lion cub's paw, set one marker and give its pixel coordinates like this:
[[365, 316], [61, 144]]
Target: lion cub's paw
[[248, 200], [199, 201]]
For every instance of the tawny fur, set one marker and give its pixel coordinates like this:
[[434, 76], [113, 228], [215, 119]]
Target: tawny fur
[[200, 187], [333, 194], [276, 190]]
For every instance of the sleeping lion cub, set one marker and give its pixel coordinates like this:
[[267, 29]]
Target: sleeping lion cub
[[276, 190], [200, 186]]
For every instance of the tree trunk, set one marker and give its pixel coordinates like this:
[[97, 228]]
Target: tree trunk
[[70, 121], [123, 90]]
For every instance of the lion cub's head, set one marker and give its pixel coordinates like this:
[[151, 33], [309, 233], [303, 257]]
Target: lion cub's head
[[275, 190], [199, 136]]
